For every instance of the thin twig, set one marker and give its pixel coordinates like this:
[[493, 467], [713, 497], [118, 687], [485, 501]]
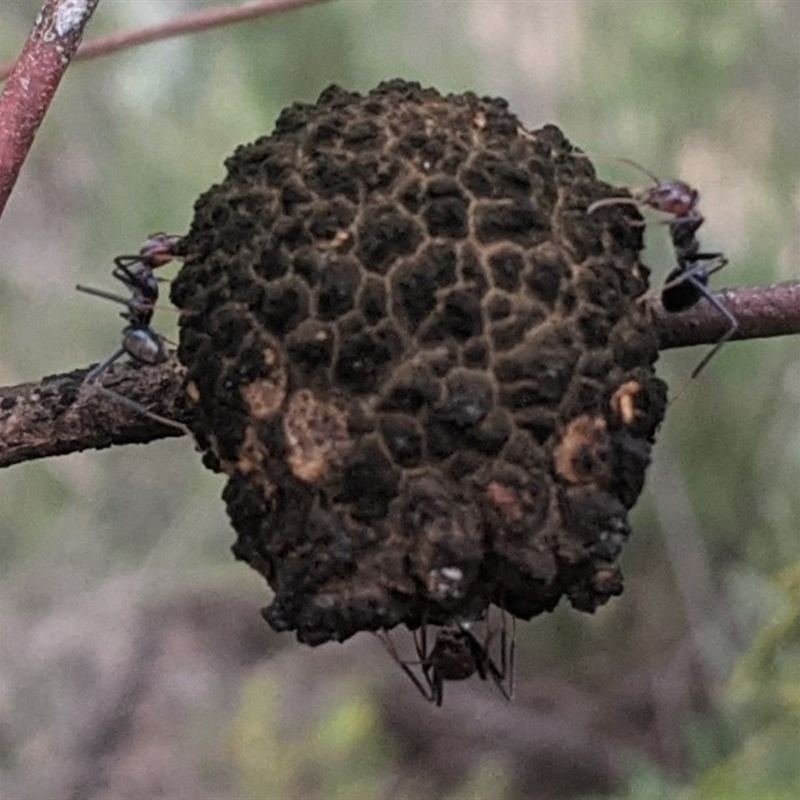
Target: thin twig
[[33, 80], [761, 312], [194, 22], [52, 417]]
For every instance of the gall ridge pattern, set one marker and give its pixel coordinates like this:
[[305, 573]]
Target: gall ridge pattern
[[420, 363]]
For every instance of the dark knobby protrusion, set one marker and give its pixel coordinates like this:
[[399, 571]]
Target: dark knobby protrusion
[[423, 368]]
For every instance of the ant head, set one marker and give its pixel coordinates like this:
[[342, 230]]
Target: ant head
[[159, 249], [672, 197]]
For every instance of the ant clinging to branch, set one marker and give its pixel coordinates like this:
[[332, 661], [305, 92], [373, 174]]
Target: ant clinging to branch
[[687, 283], [139, 340]]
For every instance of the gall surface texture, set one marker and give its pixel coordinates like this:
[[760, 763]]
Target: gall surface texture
[[420, 363]]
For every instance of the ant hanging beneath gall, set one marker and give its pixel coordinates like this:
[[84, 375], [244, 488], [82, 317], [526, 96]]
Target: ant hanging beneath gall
[[456, 654], [139, 340], [687, 283]]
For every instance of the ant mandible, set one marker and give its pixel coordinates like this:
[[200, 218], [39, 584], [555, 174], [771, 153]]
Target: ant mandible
[[139, 340], [687, 283], [456, 655]]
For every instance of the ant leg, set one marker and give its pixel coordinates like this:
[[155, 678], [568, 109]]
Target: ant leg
[[726, 312], [125, 301], [512, 648], [122, 270], [91, 383], [482, 658], [434, 681], [97, 371], [699, 272], [699, 285], [437, 690], [420, 636], [135, 305], [499, 675], [507, 655], [721, 262], [133, 280], [124, 262], [137, 407], [395, 656]]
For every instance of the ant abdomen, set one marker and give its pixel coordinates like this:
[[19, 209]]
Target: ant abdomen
[[681, 296], [145, 346]]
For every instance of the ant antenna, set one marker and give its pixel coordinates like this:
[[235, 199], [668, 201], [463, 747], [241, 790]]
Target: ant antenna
[[630, 163], [674, 197], [613, 201]]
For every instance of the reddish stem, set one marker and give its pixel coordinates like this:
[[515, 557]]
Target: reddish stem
[[194, 22], [761, 312], [33, 81]]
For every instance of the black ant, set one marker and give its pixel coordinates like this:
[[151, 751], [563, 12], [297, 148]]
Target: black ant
[[687, 284], [139, 340], [456, 655]]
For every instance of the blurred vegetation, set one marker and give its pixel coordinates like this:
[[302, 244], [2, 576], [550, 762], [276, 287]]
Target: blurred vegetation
[[343, 753], [761, 715], [708, 91], [341, 756]]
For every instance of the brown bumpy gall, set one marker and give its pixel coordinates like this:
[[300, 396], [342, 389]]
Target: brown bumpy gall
[[419, 362]]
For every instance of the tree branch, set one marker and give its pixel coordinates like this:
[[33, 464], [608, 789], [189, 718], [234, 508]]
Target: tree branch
[[194, 22], [761, 311], [54, 417], [33, 81]]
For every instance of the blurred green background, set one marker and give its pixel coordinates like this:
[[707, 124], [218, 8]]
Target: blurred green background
[[133, 659]]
